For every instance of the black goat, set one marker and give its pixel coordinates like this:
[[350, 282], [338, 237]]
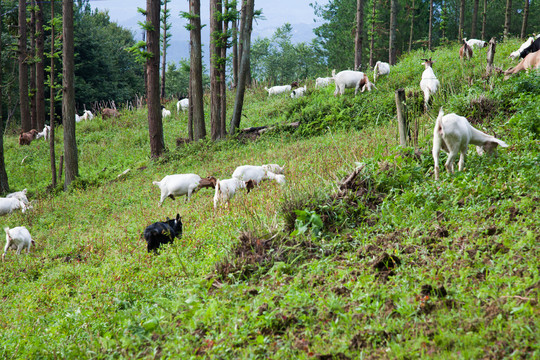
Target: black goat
[[162, 233], [535, 46]]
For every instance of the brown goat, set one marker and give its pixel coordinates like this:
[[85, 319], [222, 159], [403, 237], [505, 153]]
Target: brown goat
[[107, 113], [208, 182], [465, 51], [25, 138], [531, 61]]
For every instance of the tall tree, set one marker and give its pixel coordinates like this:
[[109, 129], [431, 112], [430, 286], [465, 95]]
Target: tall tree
[[430, 30], [26, 123], [461, 19], [40, 67], [32, 63], [474, 19], [68, 95], [484, 20], [228, 16], [195, 79], [52, 155], [155, 125], [216, 30], [244, 65], [165, 26], [392, 37], [507, 19], [4, 184], [372, 33], [525, 19], [412, 10], [359, 36]]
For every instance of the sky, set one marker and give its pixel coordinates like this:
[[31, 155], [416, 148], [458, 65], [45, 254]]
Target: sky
[[298, 13]]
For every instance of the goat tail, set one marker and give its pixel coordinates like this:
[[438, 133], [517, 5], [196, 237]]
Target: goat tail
[[6, 229], [156, 183], [438, 123], [500, 142]]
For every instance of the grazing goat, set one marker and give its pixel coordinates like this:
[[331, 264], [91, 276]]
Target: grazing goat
[[518, 53], [21, 195], [275, 168], [8, 205], [165, 112], [107, 113], [296, 93], [182, 104], [226, 189], [250, 172], [429, 83], [162, 233], [18, 239], [323, 82], [351, 79], [25, 138], [207, 182], [280, 178], [178, 185], [465, 51], [475, 43], [534, 47], [531, 61], [275, 90], [453, 134], [381, 68], [87, 115], [45, 133]]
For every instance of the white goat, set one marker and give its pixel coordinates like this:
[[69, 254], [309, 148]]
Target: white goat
[[45, 133], [178, 185], [21, 195], [182, 104], [280, 178], [475, 43], [453, 134], [165, 113], [351, 79], [8, 205], [275, 90], [87, 115], [381, 68], [516, 54], [299, 92], [250, 172], [18, 239], [275, 168], [323, 82], [429, 83], [226, 189]]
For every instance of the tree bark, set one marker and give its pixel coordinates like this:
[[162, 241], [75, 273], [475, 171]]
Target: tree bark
[[51, 105], [4, 184], [196, 99], [359, 38], [412, 26], [430, 30], [40, 68], [68, 95], [244, 66], [215, 56], [33, 51], [155, 125], [525, 19], [461, 19], [392, 37], [484, 20], [223, 70], [26, 123], [507, 19], [474, 19], [235, 52], [372, 35], [164, 60], [403, 125]]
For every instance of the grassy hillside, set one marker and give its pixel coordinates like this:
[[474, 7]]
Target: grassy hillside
[[390, 265]]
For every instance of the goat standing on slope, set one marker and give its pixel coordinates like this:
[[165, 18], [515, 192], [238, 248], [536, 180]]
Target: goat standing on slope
[[453, 134], [465, 52], [18, 239], [381, 68], [162, 233], [226, 189], [531, 61], [347, 79], [429, 83]]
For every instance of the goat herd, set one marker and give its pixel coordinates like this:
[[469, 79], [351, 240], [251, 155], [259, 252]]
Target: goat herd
[[452, 134]]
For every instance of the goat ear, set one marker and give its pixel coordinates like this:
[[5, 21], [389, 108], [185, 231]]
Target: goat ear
[[177, 217]]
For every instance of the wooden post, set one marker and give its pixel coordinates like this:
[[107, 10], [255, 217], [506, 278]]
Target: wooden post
[[491, 55], [403, 126]]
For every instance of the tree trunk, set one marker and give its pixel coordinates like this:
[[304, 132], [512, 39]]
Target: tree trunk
[[461, 19], [155, 125], [223, 74], [430, 30], [196, 100], [241, 31], [412, 26], [507, 18], [359, 38], [26, 123], [372, 35], [215, 57], [40, 68], [68, 95], [392, 37], [33, 50], [4, 184], [164, 60], [244, 66], [235, 52], [474, 19], [51, 104], [525, 19], [484, 20]]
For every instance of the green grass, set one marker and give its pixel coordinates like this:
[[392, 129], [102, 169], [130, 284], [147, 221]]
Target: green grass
[[403, 266]]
